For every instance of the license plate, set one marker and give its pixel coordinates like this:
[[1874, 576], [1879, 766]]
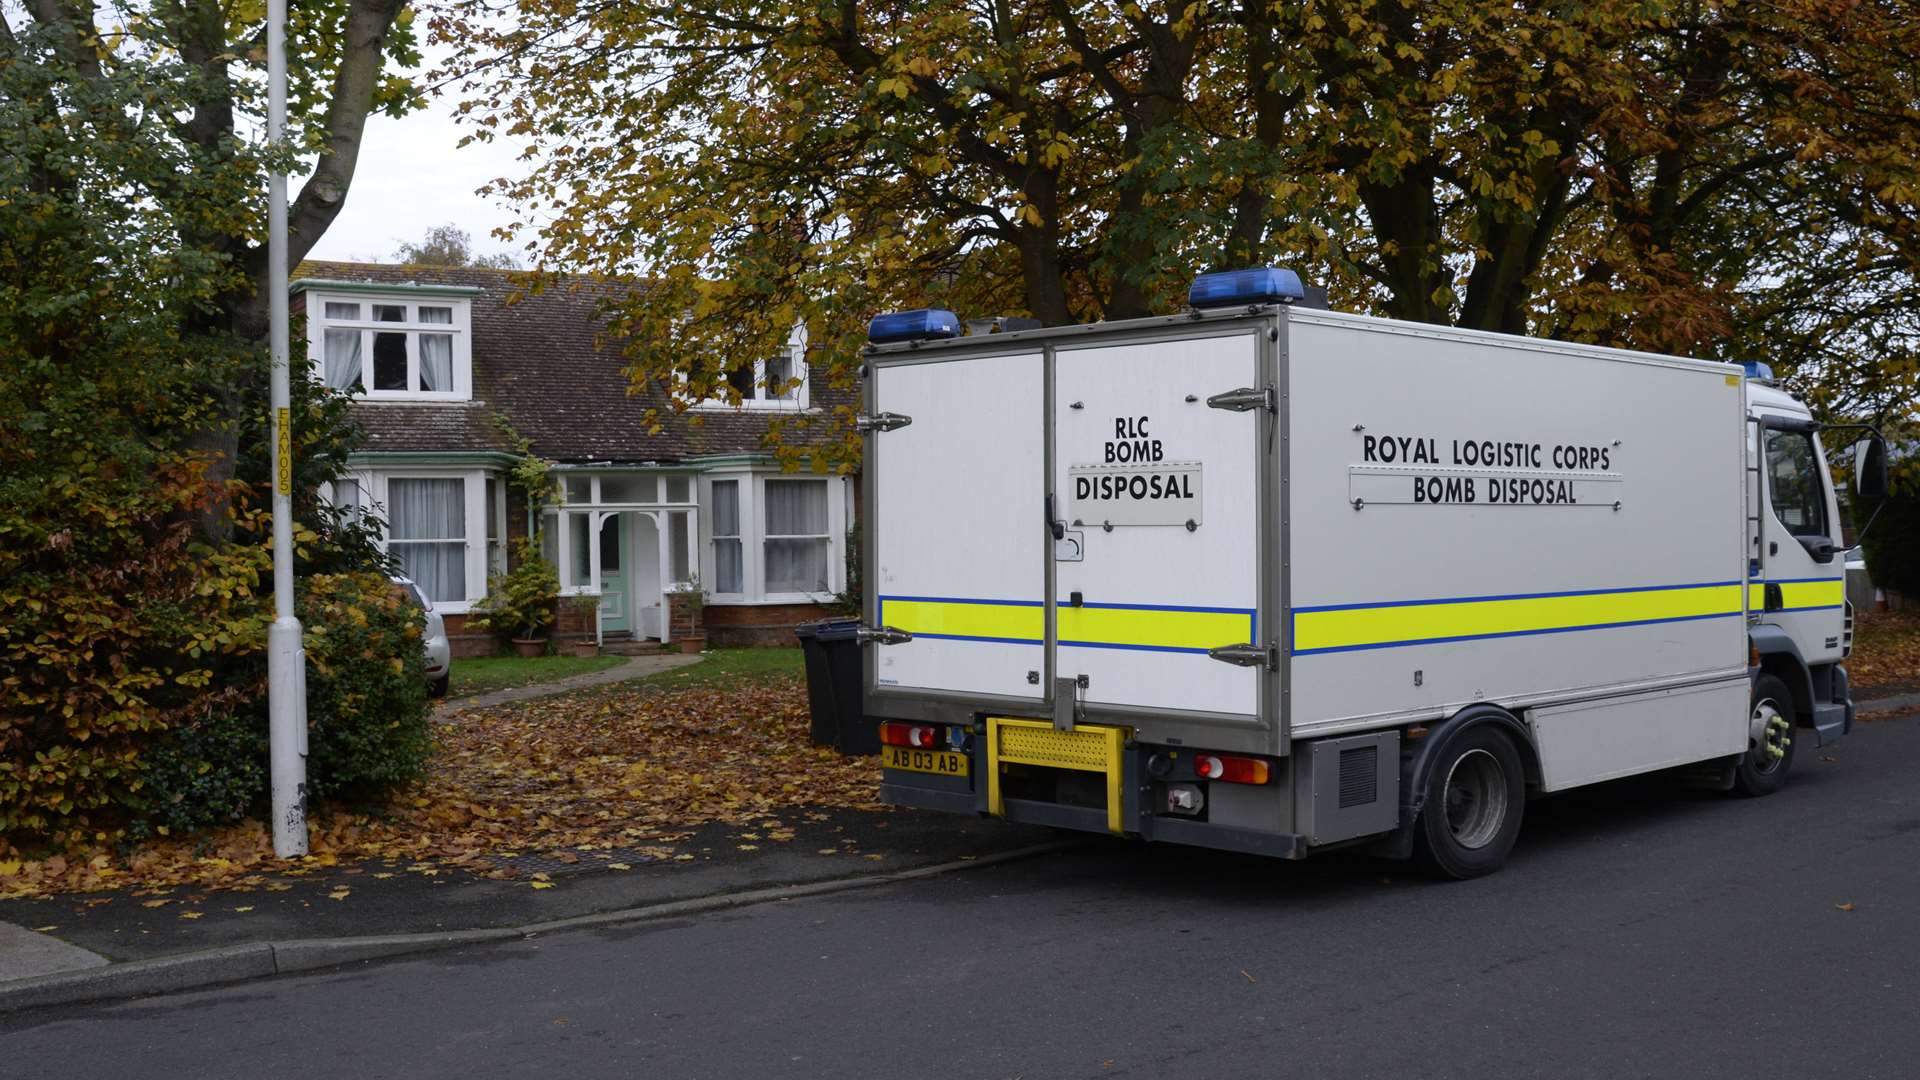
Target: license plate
[[938, 762]]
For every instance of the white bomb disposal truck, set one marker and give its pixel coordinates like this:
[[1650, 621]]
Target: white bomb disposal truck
[[1275, 579]]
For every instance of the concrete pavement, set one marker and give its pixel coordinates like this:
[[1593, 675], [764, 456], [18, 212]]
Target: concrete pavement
[[638, 667]]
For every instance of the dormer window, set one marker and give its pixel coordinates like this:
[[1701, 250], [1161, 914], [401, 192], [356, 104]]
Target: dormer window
[[391, 345], [776, 382]]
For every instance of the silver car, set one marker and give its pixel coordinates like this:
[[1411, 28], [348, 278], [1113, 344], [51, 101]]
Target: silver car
[[439, 655]]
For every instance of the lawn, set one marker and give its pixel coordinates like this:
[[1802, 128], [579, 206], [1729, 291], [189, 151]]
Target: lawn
[[480, 674], [727, 667]]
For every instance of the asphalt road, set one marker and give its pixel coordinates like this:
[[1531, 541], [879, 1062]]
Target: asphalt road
[[1641, 930]]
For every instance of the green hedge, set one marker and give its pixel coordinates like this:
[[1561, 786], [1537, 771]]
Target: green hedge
[[366, 716]]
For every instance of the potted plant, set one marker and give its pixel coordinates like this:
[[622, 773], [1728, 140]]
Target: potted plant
[[585, 608], [693, 599], [520, 602]]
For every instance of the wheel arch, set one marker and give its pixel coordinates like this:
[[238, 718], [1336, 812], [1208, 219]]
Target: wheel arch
[[1418, 762], [1781, 658]]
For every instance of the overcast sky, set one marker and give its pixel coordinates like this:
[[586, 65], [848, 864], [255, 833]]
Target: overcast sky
[[413, 175]]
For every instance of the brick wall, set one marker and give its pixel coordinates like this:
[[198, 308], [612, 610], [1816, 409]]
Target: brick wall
[[751, 625], [464, 642]]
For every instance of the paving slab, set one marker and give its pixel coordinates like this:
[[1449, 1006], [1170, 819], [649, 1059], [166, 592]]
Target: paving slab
[[390, 898], [29, 954], [638, 667]]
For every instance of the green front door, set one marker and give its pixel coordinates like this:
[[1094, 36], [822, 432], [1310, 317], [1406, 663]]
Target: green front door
[[616, 613]]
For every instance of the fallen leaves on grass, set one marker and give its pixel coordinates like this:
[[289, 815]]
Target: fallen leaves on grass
[[572, 776], [1886, 649]]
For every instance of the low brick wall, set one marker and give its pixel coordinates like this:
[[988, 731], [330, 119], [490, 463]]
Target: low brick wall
[[731, 626], [464, 642]]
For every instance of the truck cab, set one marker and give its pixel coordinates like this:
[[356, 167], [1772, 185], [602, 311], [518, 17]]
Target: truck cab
[[1799, 621]]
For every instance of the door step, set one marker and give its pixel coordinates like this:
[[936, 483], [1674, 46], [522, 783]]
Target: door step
[[631, 647]]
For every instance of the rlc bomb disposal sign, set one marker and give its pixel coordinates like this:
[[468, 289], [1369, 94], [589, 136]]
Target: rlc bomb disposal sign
[[1134, 484], [1423, 470]]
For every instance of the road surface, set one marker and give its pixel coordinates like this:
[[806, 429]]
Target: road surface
[[1641, 930]]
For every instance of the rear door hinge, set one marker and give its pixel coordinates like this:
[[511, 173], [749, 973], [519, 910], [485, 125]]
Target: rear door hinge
[[1248, 655], [1244, 399], [885, 421], [884, 635]]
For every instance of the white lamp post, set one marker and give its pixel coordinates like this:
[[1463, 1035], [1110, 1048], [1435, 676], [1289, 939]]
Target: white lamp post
[[286, 659]]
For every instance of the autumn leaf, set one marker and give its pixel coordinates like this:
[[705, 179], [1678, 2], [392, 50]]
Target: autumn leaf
[[190, 914], [555, 776], [541, 884], [1844, 907]]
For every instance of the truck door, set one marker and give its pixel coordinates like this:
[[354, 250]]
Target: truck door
[[957, 532], [1802, 585], [1157, 495]]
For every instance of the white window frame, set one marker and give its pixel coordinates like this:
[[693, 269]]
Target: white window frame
[[373, 485], [797, 399], [753, 538], [741, 505], [461, 330], [767, 536]]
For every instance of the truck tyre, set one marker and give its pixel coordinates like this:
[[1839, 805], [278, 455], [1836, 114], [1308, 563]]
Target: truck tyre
[[1763, 768], [438, 687], [1475, 797]]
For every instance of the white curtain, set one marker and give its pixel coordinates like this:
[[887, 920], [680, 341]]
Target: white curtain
[[728, 575], [796, 509], [426, 531], [436, 361], [341, 355]]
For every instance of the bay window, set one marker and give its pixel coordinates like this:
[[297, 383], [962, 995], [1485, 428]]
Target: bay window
[[771, 538]]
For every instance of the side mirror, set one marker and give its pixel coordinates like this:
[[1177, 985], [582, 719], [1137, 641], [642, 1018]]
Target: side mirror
[[1870, 468]]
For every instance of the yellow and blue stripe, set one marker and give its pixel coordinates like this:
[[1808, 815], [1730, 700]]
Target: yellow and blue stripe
[[1800, 594], [1145, 627], [1335, 628], [1396, 623]]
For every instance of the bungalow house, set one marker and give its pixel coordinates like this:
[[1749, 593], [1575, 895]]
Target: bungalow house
[[447, 374]]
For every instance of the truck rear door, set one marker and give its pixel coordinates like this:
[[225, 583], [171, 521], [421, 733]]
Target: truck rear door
[[1159, 496], [957, 527]]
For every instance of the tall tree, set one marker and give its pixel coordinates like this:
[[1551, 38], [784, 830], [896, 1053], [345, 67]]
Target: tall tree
[[1646, 174], [166, 99], [450, 245]]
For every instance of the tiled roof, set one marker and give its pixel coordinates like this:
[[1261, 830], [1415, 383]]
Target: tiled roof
[[540, 364], [428, 426]]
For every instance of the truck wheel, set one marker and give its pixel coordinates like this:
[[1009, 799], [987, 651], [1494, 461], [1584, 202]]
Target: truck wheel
[[438, 687], [1763, 768], [1475, 797]]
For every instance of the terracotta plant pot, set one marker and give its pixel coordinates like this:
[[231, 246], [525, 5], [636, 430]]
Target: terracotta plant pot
[[530, 647], [586, 648], [692, 643]]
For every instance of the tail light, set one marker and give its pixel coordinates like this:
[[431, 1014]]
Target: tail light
[[1234, 770], [919, 736]]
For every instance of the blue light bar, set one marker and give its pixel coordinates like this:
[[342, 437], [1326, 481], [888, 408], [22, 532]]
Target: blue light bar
[[1758, 370], [917, 325], [1266, 285]]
